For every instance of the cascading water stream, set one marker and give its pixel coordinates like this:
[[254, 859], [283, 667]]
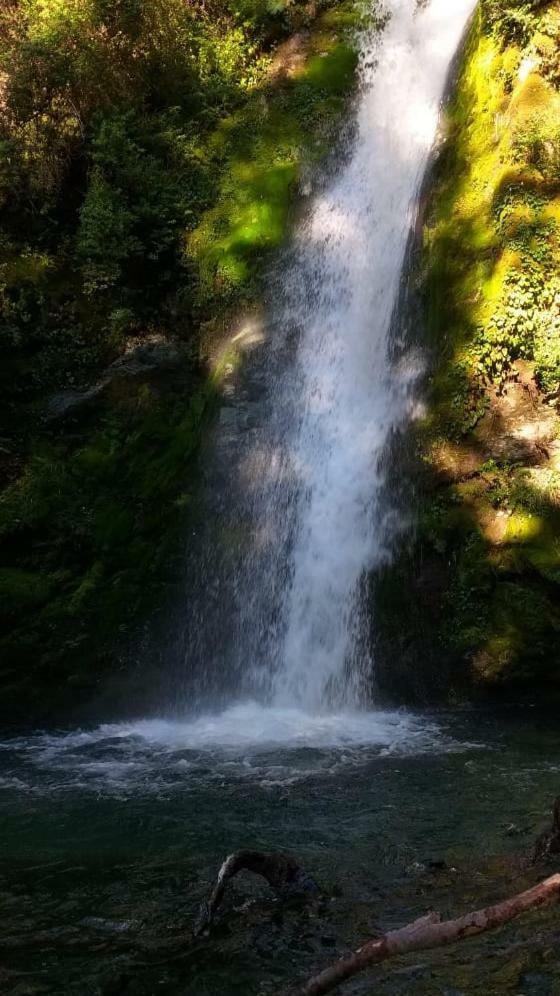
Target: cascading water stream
[[350, 253], [312, 477]]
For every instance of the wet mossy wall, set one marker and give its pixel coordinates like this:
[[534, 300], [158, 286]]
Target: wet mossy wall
[[479, 579]]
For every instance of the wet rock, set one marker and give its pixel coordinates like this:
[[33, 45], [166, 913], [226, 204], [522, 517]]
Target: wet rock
[[145, 359], [67, 402], [107, 926]]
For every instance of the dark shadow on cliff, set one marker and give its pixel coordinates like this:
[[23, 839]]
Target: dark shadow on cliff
[[470, 606]]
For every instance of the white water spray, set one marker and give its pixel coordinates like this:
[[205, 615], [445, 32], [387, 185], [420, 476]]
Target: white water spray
[[351, 251]]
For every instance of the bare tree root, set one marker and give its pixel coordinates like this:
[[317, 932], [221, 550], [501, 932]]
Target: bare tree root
[[281, 871], [428, 932]]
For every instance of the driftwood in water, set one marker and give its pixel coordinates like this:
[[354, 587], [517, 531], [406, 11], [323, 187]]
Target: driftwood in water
[[281, 871], [427, 932], [548, 844]]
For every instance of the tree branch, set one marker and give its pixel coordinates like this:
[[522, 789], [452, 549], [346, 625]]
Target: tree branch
[[428, 932], [281, 871]]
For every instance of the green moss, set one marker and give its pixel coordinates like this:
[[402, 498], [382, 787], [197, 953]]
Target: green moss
[[104, 520], [521, 647], [259, 152], [523, 528], [546, 559], [457, 406], [467, 601], [489, 523], [332, 71]]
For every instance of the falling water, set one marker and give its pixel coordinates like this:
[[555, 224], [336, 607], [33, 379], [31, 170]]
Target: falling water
[[277, 612], [312, 475], [342, 291]]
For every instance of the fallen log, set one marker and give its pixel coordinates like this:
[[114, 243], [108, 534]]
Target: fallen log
[[281, 871], [427, 932]]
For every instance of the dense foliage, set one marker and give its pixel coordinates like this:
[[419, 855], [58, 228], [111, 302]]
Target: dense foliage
[[487, 551], [149, 150]]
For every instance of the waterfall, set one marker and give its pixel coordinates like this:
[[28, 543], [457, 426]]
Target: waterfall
[[350, 252], [312, 476], [270, 645], [271, 639]]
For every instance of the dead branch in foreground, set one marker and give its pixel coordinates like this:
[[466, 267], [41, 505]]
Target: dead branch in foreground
[[281, 871], [428, 932]]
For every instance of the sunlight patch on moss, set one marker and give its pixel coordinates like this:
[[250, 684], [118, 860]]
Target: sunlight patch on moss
[[523, 527], [262, 149]]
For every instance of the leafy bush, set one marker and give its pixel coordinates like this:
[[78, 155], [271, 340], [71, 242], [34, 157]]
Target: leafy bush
[[514, 21], [131, 213]]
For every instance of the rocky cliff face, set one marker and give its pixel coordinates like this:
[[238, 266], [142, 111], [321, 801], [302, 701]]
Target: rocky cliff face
[[479, 581]]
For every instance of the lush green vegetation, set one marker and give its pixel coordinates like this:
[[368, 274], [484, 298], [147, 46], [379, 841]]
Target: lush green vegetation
[[487, 551], [149, 153]]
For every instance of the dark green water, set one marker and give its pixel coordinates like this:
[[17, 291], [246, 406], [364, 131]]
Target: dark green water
[[110, 841]]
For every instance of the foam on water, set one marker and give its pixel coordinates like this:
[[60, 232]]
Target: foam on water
[[272, 746], [255, 728]]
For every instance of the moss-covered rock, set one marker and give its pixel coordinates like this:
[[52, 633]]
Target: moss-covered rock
[[486, 543]]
